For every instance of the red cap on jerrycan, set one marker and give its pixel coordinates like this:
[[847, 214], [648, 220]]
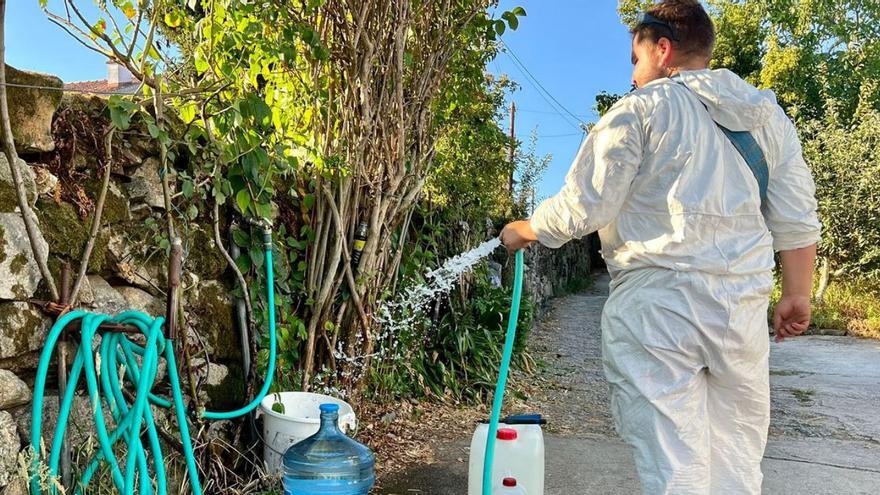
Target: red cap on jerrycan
[[506, 434], [509, 482]]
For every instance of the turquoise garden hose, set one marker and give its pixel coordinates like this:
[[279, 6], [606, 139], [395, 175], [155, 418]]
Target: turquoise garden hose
[[119, 354], [502, 375]]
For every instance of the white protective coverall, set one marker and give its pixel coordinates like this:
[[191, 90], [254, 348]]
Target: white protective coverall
[[690, 250]]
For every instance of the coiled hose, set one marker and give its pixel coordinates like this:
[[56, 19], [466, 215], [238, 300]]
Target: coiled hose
[[118, 355], [502, 374]]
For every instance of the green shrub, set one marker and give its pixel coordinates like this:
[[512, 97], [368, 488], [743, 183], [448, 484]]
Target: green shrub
[[846, 167]]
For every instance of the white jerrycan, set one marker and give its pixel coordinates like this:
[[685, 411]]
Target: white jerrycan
[[519, 454], [509, 487]]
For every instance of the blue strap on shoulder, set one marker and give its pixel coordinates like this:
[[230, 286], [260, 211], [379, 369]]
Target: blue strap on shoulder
[[751, 152], [748, 148]]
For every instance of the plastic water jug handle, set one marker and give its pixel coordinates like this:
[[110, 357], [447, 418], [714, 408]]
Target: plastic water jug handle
[[524, 419]]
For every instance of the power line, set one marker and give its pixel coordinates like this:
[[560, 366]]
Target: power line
[[538, 84], [561, 135], [529, 110], [541, 94]]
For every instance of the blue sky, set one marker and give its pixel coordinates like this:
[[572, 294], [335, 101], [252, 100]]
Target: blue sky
[[574, 48], [34, 43]]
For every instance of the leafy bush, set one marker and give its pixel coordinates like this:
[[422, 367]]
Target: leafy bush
[[846, 167]]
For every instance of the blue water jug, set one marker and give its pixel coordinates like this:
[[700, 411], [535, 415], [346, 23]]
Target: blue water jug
[[328, 462]]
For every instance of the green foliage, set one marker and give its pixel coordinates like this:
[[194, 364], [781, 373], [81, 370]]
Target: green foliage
[[530, 168], [846, 167], [471, 168], [264, 112], [816, 56], [604, 102], [740, 33]]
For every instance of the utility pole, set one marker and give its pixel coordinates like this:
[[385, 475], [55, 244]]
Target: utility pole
[[512, 146]]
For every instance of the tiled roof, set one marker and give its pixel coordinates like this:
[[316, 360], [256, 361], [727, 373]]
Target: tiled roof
[[102, 87]]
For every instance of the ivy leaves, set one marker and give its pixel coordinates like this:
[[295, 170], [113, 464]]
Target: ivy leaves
[[121, 111]]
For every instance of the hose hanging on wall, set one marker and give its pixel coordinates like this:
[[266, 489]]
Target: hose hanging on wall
[[128, 399]]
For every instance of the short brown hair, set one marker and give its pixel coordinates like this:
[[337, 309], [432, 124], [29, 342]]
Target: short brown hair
[[692, 26]]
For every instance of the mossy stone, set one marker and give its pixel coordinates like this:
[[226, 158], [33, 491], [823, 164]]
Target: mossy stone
[[21, 329], [67, 235], [203, 257], [116, 208], [8, 198], [228, 393], [212, 307], [31, 109]]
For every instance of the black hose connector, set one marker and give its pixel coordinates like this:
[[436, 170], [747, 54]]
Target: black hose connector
[[267, 238]]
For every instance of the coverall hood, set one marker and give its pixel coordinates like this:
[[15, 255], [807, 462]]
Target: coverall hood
[[732, 102]]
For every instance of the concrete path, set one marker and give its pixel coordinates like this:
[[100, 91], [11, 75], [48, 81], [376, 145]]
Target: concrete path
[[824, 433]]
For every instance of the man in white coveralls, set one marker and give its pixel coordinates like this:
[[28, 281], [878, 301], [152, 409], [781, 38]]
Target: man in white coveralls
[[692, 180]]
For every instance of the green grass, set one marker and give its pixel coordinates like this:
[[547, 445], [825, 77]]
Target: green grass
[[850, 305]]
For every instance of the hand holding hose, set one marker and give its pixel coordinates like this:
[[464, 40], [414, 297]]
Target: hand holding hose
[[517, 235]]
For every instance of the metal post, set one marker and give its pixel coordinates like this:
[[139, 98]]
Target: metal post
[[244, 334], [174, 263], [512, 153], [62, 377]]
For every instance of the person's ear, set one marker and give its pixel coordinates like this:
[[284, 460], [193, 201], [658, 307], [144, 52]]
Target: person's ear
[[665, 50]]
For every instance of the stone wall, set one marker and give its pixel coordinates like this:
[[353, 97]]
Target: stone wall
[[62, 159], [553, 272]]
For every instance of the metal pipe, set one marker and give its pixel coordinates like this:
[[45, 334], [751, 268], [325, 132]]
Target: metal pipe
[[174, 262], [241, 317], [244, 334], [66, 475]]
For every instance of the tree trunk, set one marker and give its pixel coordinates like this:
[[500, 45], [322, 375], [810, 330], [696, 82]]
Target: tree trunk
[[824, 279]]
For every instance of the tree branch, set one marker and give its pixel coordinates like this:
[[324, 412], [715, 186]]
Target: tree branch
[[96, 220], [352, 285]]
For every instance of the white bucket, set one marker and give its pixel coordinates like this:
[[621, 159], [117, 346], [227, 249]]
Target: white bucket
[[301, 419]]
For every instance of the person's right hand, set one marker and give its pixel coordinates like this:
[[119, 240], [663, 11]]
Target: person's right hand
[[791, 316], [517, 235]]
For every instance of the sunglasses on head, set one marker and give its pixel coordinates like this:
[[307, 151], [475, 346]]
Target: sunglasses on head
[[644, 19]]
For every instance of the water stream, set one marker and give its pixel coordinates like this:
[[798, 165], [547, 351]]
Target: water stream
[[397, 317], [400, 313]]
